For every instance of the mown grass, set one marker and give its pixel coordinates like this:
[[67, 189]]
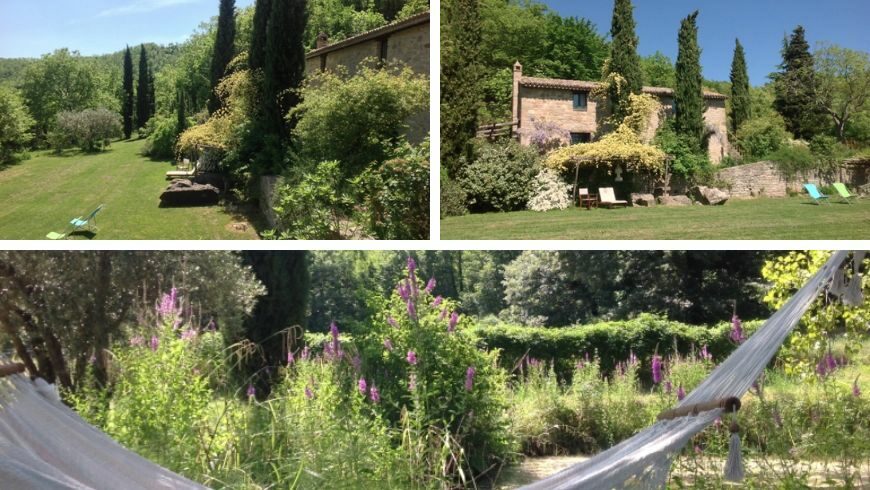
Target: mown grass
[[44, 193], [751, 219]]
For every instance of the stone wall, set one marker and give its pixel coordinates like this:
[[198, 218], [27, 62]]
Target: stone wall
[[554, 106], [411, 46], [754, 180]]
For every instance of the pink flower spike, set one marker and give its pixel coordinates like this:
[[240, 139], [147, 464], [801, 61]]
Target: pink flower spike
[[412, 358]]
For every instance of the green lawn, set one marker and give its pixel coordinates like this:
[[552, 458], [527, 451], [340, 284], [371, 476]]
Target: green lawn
[[44, 193], [756, 219]]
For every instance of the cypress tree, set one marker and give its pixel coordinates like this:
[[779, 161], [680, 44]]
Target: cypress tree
[[741, 104], [461, 72], [224, 50], [624, 59], [257, 54], [182, 114], [129, 102], [284, 66], [152, 97], [689, 95], [143, 91], [795, 86]]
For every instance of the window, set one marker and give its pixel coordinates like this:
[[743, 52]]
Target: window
[[580, 101], [384, 49], [580, 138]]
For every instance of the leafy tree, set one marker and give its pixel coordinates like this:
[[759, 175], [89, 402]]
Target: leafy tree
[[843, 84], [338, 20], [372, 107], [741, 103], [224, 49], [60, 81], [284, 66], [257, 54], [658, 70], [128, 94], [688, 95], [460, 80], [15, 125], [761, 136], [144, 91], [624, 60], [796, 90], [91, 130], [501, 177]]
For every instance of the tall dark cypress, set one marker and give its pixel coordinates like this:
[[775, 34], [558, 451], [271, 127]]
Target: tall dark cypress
[[152, 96], [461, 71], [143, 90], [257, 54], [284, 65], [794, 87], [129, 101], [224, 50], [182, 113], [624, 59], [741, 103], [689, 95]]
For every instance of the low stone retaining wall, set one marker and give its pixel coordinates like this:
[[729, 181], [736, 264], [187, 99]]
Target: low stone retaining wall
[[754, 180]]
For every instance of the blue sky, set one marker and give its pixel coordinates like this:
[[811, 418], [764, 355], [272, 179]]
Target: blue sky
[[760, 25], [30, 28]]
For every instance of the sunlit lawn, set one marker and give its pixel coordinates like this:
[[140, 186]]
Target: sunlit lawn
[[44, 193], [792, 218]]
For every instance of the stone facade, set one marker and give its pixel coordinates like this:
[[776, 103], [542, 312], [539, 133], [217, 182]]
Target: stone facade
[[553, 100], [406, 41]]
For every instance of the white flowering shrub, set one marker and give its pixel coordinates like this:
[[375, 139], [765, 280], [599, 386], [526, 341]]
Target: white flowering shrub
[[549, 192]]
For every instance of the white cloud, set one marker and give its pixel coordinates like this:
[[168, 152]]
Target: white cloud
[[141, 6]]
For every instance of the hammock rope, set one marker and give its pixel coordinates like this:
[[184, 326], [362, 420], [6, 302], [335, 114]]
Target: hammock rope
[[644, 460]]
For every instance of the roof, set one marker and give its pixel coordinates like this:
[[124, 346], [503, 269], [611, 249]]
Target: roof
[[421, 18], [560, 84]]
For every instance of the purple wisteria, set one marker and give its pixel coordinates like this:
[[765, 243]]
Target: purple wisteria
[[656, 369], [412, 358], [737, 330], [469, 378]]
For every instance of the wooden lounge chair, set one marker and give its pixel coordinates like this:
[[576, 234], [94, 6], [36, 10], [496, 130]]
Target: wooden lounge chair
[[585, 199], [183, 174], [844, 192], [608, 198], [815, 195]]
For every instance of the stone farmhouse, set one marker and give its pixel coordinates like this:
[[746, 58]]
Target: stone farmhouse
[[568, 103]]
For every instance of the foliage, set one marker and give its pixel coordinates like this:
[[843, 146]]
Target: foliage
[[127, 96], [357, 120], [795, 88], [826, 317], [529, 279], [741, 105], [15, 125], [91, 130], [793, 160], [761, 136], [162, 135], [624, 60], [310, 204], [454, 200], [500, 178], [688, 94], [549, 192], [622, 146], [257, 51], [688, 159], [224, 50], [339, 20], [461, 70], [843, 81], [283, 68], [395, 196], [658, 70]]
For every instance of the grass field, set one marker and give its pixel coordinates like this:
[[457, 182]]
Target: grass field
[[750, 219], [44, 193]]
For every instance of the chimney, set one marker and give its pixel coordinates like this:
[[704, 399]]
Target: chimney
[[518, 73], [322, 40]]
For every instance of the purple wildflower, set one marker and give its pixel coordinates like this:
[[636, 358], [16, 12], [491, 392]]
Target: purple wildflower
[[333, 348], [251, 391], [822, 368], [705, 355], [830, 362], [290, 358], [443, 314], [454, 319], [374, 394], [856, 390], [437, 302], [412, 311], [155, 343], [668, 387], [392, 322], [404, 292], [412, 358], [306, 353], [412, 265], [430, 286], [737, 330], [188, 334], [657, 369], [363, 386], [681, 393], [388, 344], [412, 382], [469, 378], [308, 393]]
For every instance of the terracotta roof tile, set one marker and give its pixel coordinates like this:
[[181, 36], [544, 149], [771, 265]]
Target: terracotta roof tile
[[560, 84], [421, 18]]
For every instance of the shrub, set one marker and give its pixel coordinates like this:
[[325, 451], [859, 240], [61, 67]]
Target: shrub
[[549, 192], [761, 136], [310, 205], [357, 119], [500, 178], [162, 136], [453, 198], [689, 161], [793, 160], [91, 129], [395, 196], [15, 125]]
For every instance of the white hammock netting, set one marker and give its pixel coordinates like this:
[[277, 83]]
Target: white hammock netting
[[644, 460]]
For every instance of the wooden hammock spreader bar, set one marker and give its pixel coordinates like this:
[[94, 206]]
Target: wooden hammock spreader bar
[[729, 405], [10, 369]]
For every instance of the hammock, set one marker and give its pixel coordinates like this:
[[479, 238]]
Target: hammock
[[45, 446], [644, 460]]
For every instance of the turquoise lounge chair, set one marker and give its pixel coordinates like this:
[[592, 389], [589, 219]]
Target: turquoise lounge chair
[[815, 195], [844, 192], [82, 222]]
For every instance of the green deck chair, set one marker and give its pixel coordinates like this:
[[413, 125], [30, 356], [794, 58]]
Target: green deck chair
[[815, 195], [844, 193], [82, 222]]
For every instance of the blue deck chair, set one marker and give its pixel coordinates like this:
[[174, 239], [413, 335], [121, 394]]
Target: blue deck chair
[[815, 195], [82, 222]]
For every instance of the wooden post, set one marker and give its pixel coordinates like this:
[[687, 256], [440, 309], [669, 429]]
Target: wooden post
[[576, 182], [10, 369]]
